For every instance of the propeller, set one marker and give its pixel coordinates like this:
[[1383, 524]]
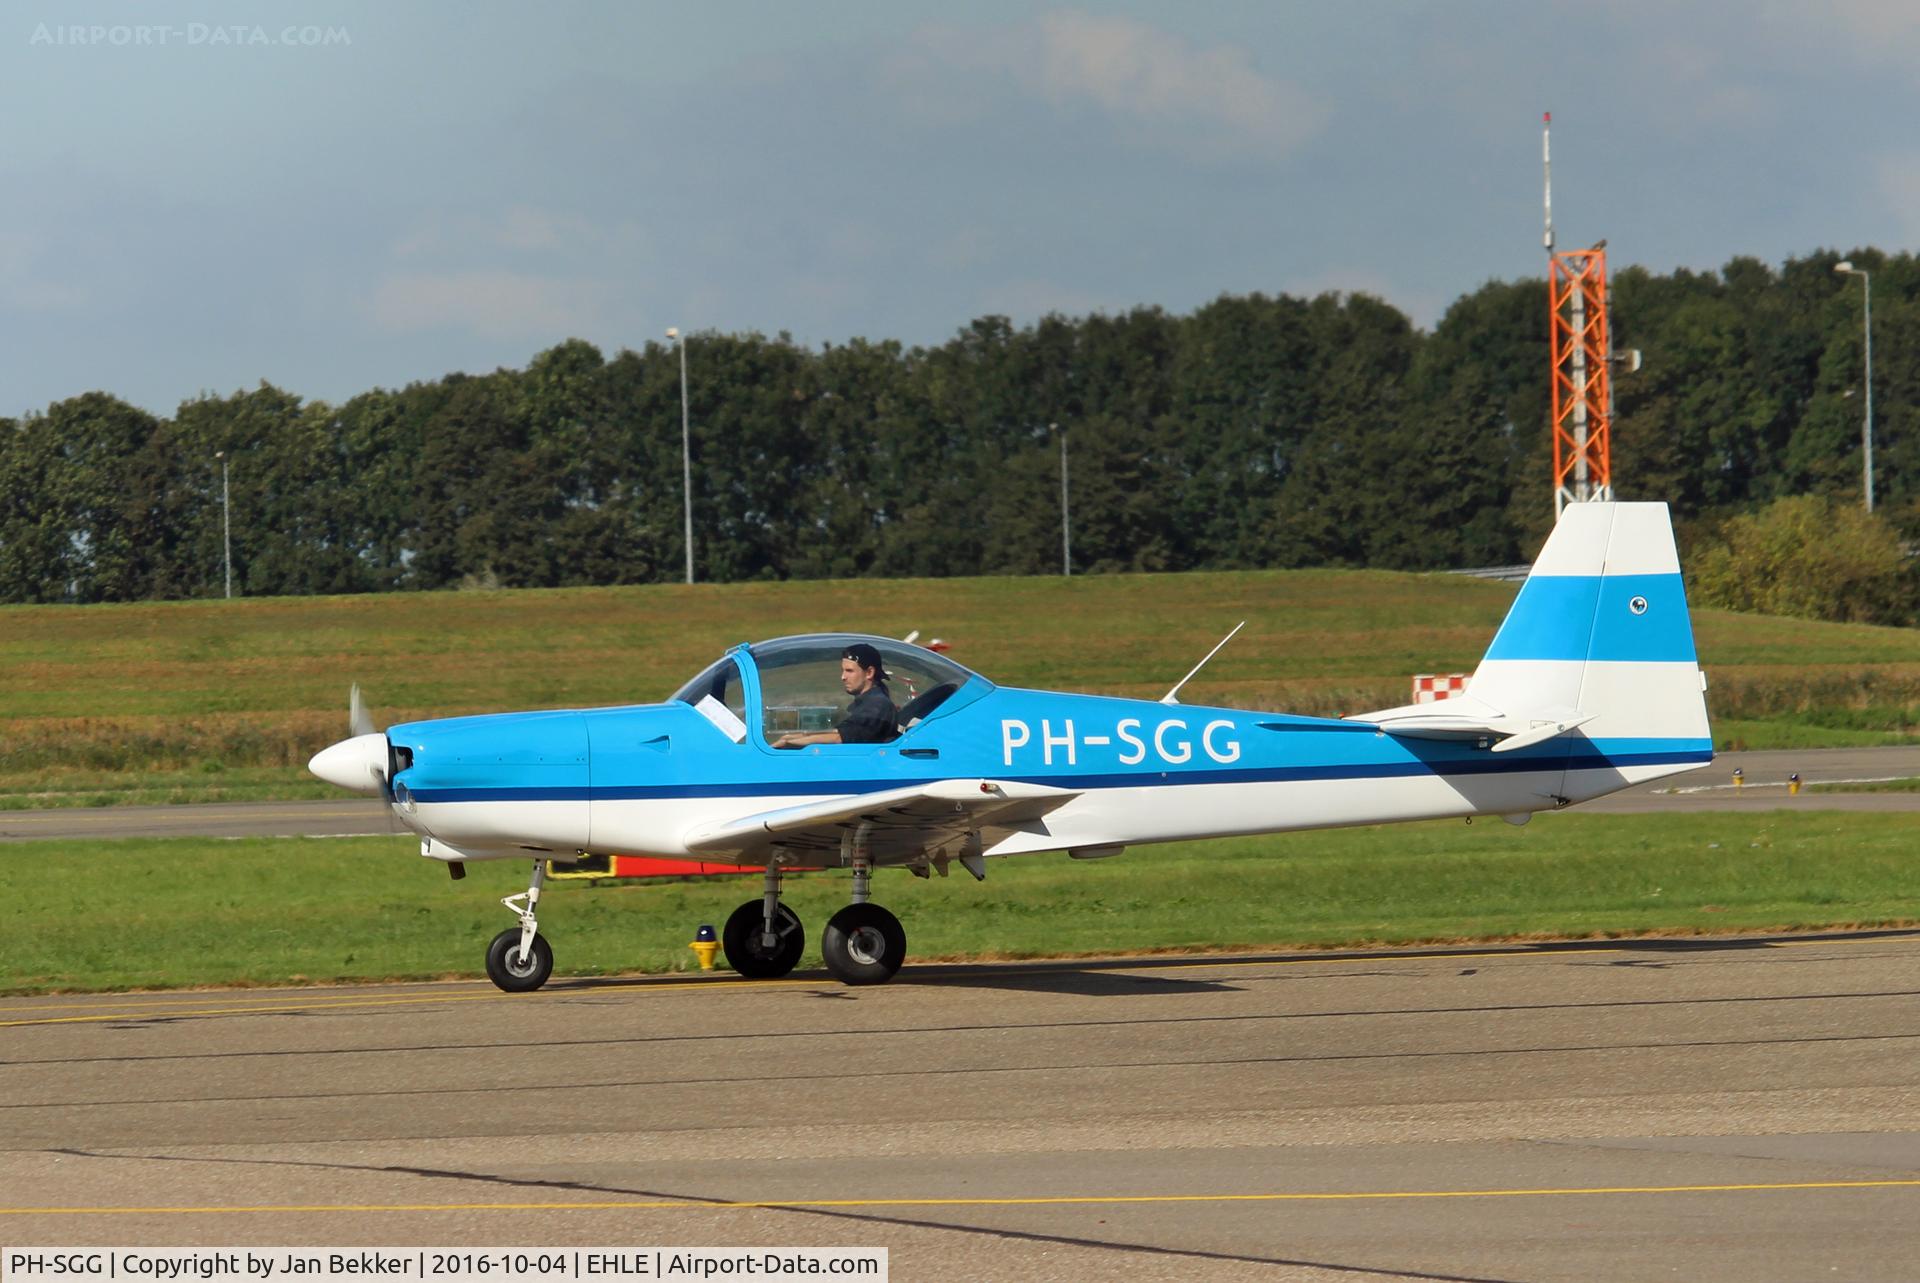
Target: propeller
[[360, 762], [359, 720], [364, 762]]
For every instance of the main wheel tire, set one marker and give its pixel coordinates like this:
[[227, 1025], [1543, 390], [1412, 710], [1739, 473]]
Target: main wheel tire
[[505, 969], [748, 955], [863, 944]]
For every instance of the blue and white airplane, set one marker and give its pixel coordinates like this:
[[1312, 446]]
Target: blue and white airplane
[[1590, 685]]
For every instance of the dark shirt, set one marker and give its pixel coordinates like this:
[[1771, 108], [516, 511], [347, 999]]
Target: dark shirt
[[870, 719]]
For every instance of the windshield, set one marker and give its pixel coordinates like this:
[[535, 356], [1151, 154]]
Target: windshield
[[719, 685], [801, 690]]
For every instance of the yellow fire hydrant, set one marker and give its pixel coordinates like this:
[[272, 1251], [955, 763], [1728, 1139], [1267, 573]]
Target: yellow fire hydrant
[[705, 946], [1739, 776], [1793, 786]]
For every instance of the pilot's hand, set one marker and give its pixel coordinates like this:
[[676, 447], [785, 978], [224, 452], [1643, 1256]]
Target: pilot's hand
[[789, 740]]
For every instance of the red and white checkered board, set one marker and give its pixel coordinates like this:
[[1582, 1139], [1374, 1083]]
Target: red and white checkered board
[[1428, 687]]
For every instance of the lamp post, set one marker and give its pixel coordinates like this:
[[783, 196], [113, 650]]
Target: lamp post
[[226, 519], [1066, 528], [686, 446], [1846, 268]]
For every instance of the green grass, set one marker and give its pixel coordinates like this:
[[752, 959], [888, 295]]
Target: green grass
[[177, 913], [209, 783], [1868, 786], [1734, 735], [103, 700]]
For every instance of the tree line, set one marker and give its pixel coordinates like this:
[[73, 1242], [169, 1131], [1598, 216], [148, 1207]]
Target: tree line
[[1257, 431]]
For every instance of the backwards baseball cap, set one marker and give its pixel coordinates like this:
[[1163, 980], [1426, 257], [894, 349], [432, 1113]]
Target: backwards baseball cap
[[866, 656]]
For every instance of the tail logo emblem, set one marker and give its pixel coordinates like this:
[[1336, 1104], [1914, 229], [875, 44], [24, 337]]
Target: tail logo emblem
[[1638, 605]]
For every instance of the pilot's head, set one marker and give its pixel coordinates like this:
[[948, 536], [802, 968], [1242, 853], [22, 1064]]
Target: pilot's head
[[860, 668]]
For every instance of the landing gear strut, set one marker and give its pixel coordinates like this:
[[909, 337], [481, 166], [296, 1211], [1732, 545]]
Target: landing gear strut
[[519, 960], [763, 938], [863, 943]]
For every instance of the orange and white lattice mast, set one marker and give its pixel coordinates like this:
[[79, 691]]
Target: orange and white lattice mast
[[1581, 346]]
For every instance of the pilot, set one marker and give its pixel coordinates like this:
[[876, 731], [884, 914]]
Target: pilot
[[870, 719]]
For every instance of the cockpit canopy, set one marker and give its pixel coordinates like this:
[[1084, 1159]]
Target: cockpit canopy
[[798, 681]]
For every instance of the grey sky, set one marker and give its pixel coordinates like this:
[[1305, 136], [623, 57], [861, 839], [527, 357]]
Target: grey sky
[[458, 185]]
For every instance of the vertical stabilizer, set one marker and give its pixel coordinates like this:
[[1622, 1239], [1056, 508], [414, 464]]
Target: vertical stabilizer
[[1600, 631]]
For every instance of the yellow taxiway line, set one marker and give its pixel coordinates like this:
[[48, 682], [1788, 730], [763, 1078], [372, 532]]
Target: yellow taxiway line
[[1050, 1200]]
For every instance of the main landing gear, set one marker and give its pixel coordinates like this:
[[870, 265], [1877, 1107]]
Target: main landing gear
[[763, 938], [862, 945]]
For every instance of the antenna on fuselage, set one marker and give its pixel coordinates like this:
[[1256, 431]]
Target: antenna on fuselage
[[1168, 698]]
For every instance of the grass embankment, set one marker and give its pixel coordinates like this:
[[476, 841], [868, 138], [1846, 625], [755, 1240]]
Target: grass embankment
[[217, 700], [182, 913]]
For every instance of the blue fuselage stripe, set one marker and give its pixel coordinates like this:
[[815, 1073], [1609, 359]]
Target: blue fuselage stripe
[[1673, 753]]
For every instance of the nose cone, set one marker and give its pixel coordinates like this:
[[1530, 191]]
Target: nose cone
[[359, 764]]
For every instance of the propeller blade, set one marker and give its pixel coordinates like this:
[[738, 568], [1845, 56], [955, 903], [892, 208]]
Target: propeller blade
[[362, 761], [359, 720]]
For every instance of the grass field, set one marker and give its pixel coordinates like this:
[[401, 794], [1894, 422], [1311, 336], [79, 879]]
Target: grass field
[[217, 700], [180, 913], [1868, 786]]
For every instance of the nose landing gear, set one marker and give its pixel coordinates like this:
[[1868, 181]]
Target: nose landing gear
[[519, 960]]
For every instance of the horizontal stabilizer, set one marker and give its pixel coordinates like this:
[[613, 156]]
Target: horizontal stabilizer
[[1466, 718], [1543, 731]]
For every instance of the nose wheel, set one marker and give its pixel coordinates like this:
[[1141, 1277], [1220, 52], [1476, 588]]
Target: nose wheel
[[513, 972], [863, 944]]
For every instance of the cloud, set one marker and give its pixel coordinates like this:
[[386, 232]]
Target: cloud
[[1164, 90], [517, 273], [1884, 27], [1132, 69], [520, 229], [1710, 86], [46, 296], [30, 282], [492, 304], [1898, 178]]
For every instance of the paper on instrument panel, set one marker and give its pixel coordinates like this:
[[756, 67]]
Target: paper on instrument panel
[[722, 716]]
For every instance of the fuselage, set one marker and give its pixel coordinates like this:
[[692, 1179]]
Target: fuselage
[[639, 779]]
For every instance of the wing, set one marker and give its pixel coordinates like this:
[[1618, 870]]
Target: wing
[[899, 825]]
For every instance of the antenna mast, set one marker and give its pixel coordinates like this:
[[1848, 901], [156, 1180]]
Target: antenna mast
[[1546, 160], [1581, 348]]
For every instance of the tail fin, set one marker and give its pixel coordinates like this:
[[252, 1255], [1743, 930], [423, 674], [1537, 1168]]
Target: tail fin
[[1599, 639]]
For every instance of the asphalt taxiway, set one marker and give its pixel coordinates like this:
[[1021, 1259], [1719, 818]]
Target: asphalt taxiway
[[1728, 1109]]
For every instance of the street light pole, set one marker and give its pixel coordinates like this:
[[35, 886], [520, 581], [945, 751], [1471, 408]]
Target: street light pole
[[1066, 527], [686, 447], [1846, 267], [226, 509]]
